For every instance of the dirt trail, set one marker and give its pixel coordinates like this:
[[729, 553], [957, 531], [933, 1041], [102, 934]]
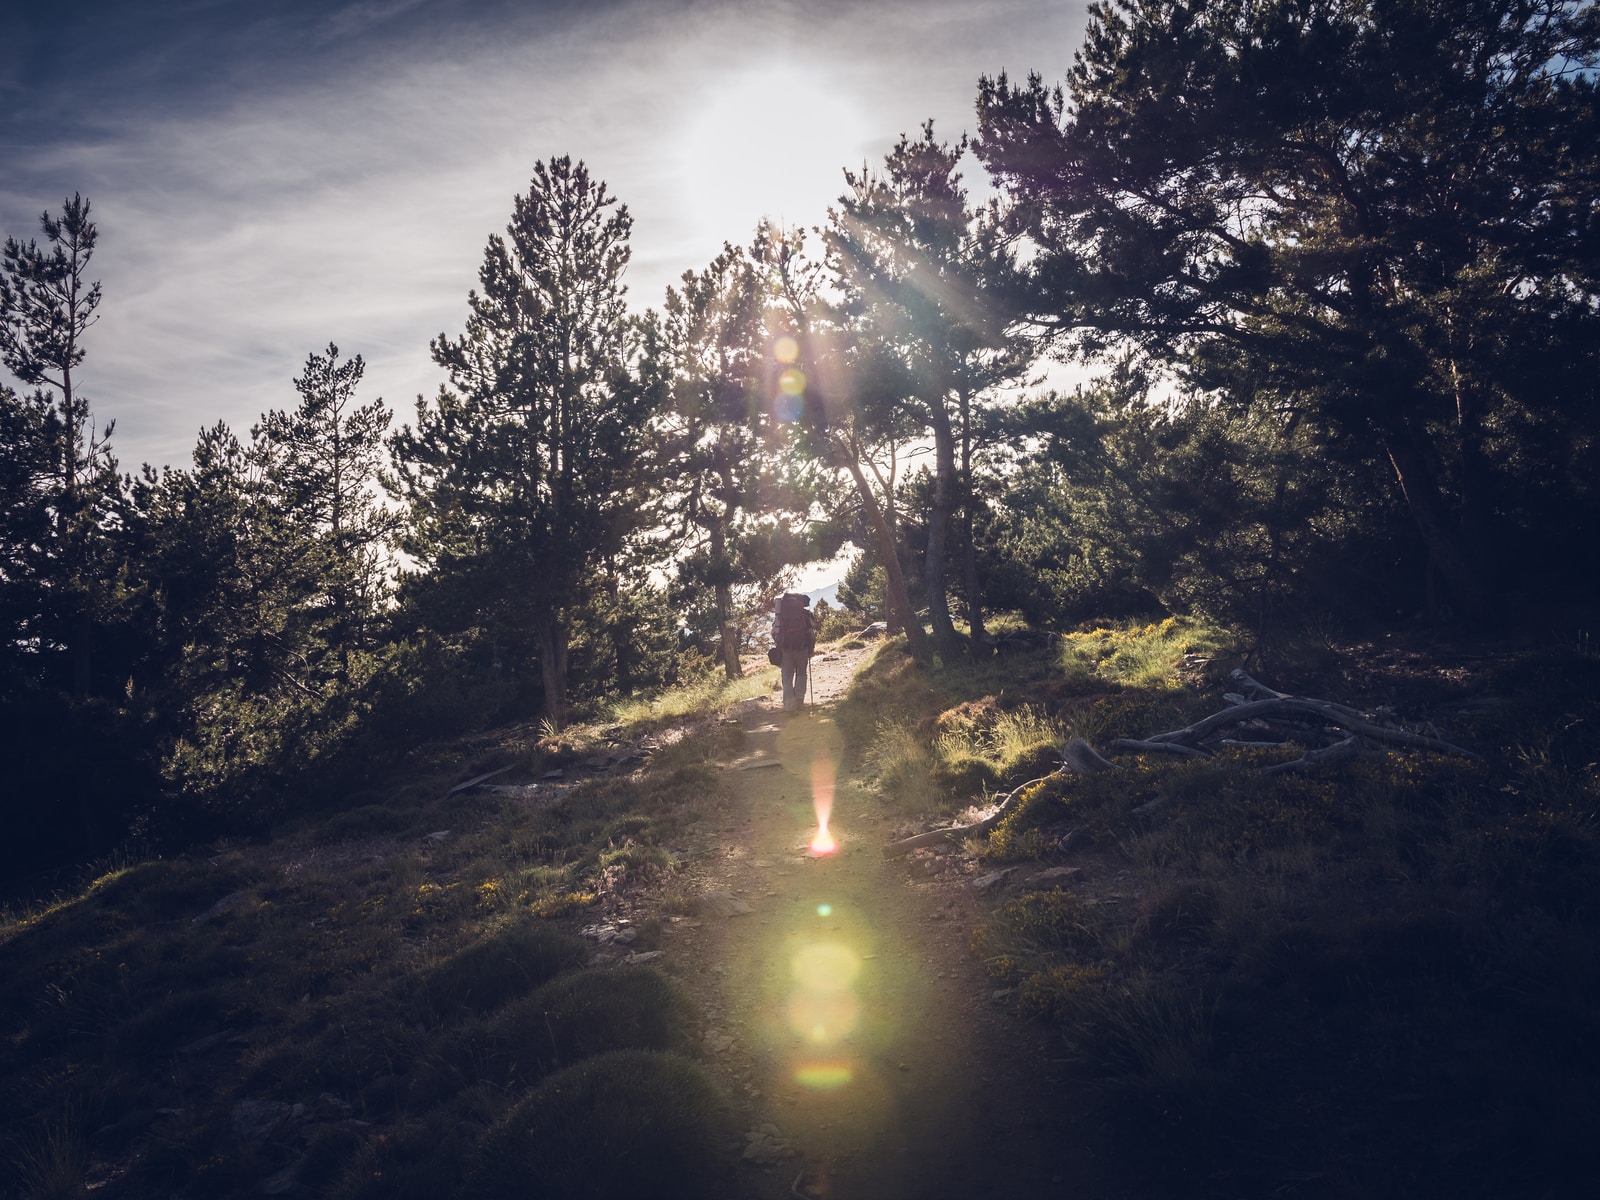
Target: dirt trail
[[852, 1024]]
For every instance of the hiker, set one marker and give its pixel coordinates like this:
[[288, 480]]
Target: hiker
[[795, 638]]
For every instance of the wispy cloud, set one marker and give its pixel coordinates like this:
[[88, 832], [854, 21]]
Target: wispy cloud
[[347, 196]]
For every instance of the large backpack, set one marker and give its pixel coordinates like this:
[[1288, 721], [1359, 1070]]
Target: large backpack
[[794, 624]]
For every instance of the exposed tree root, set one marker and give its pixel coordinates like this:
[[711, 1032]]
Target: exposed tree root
[[1077, 758], [1255, 704]]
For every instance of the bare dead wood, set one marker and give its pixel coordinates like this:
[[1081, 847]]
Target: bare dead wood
[[475, 781], [1135, 746], [1260, 707], [1337, 752], [1333, 714], [1081, 758], [1256, 690], [1077, 758]]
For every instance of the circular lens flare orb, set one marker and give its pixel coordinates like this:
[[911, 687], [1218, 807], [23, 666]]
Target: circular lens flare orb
[[786, 349], [824, 1076], [823, 1018], [825, 967], [824, 1009]]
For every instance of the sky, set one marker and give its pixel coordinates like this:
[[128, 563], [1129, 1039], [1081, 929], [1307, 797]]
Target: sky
[[270, 176]]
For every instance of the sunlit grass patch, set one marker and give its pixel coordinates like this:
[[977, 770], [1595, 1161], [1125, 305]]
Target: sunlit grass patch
[[706, 690], [1142, 655]]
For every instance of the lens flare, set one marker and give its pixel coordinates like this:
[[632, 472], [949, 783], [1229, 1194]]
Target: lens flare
[[822, 801], [788, 408], [786, 349], [824, 1076], [823, 1009], [792, 382], [826, 967], [824, 910]]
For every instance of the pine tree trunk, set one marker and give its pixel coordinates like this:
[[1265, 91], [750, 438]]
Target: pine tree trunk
[[895, 595], [1455, 560], [553, 666], [976, 635], [933, 567], [729, 635]]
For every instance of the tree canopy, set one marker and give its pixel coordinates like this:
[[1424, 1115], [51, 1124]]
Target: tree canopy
[[1378, 214]]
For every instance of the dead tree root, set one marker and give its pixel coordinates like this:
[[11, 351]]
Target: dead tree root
[[1254, 703]]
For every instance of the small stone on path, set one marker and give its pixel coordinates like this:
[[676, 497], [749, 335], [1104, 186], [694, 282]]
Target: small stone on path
[[721, 904], [984, 883]]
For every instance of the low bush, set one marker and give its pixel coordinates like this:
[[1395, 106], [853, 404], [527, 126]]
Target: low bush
[[628, 1123], [509, 963], [584, 1014]]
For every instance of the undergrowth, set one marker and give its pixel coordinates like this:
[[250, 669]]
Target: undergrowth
[[354, 1008], [1377, 979]]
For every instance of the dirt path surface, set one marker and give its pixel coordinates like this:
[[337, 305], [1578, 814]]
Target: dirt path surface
[[853, 1026]]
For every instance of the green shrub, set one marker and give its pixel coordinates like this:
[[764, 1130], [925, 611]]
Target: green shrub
[[1141, 655], [631, 1123], [1040, 922], [420, 1160], [581, 1015], [510, 963]]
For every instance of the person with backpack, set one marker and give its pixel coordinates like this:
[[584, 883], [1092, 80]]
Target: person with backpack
[[794, 640]]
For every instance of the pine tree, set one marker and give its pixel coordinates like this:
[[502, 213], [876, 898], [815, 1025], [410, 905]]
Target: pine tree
[[730, 484], [1380, 214], [520, 475], [929, 279], [851, 411], [59, 478], [327, 455]]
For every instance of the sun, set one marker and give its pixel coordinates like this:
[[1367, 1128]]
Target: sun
[[768, 142]]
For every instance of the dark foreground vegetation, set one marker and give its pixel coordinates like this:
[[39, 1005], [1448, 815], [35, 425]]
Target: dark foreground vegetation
[[1333, 275], [1373, 979], [389, 1001], [1378, 978]]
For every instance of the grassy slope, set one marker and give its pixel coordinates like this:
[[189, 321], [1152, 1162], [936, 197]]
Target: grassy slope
[[358, 1007], [1377, 980], [1382, 979]]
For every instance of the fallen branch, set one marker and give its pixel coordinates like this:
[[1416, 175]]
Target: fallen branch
[[1135, 746], [1334, 714], [1255, 689], [1337, 752], [476, 780], [1256, 706], [1077, 758]]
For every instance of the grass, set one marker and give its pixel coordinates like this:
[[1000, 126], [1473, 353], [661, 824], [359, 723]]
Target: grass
[[1375, 980], [1142, 655], [707, 690], [1360, 981], [1379, 979], [921, 744], [386, 982], [626, 1123]]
